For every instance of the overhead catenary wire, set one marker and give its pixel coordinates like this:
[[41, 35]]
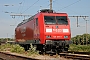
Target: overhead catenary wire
[[65, 6], [24, 10], [73, 4], [70, 4], [30, 6], [23, 2], [19, 10], [20, 5]]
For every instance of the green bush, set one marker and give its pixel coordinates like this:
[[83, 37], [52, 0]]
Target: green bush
[[5, 47], [32, 50], [17, 48]]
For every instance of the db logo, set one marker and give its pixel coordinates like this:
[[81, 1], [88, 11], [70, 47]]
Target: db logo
[[23, 29]]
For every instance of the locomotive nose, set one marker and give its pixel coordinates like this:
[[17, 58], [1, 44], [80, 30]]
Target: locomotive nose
[[57, 32], [57, 29]]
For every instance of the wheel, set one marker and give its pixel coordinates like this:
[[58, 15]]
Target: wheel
[[66, 49]]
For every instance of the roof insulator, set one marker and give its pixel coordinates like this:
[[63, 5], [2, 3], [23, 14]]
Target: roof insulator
[[46, 11]]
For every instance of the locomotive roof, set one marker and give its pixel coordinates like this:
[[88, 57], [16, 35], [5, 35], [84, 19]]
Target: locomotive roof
[[26, 20], [41, 11]]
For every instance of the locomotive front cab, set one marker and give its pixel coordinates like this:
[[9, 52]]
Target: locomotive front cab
[[56, 28], [57, 31]]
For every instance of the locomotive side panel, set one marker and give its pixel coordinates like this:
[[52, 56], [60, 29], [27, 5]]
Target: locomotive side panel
[[25, 31], [29, 30]]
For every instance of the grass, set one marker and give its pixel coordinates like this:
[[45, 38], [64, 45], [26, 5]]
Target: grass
[[79, 48]]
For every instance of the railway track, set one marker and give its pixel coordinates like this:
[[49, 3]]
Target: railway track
[[71, 55], [68, 55], [11, 56], [76, 55], [14, 56], [87, 53]]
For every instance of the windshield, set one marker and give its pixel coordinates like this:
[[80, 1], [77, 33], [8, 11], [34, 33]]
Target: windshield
[[61, 19], [55, 20], [49, 19]]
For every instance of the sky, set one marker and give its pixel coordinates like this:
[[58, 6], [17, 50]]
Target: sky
[[31, 7]]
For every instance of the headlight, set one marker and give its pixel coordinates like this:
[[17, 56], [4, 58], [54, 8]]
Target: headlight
[[65, 36], [48, 41], [48, 36]]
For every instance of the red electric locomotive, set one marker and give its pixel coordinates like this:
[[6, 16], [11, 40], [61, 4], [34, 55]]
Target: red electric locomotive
[[47, 30]]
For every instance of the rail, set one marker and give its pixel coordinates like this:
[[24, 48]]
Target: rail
[[76, 55], [11, 56], [14, 56]]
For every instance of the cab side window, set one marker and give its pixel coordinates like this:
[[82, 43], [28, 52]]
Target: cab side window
[[36, 21]]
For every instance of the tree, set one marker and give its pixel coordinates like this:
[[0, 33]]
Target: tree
[[81, 39]]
